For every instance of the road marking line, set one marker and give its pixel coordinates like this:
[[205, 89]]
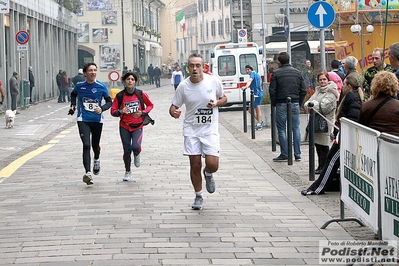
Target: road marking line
[[16, 164]]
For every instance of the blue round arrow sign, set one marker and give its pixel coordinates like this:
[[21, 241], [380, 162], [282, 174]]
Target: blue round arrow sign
[[286, 27], [22, 37], [321, 15]]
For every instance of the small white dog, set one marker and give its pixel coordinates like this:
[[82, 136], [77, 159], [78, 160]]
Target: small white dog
[[10, 117]]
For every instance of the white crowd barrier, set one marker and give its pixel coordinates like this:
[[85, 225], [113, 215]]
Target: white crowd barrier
[[370, 177]]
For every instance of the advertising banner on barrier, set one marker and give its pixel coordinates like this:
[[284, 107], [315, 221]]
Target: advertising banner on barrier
[[389, 186], [359, 171]]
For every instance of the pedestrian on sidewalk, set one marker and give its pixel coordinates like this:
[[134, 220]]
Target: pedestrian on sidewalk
[[14, 90], [90, 94], [58, 78], [150, 72], [324, 101], [131, 105], [202, 95], [31, 83], [3, 95], [157, 76], [255, 84], [287, 81], [349, 107], [79, 77], [65, 87], [381, 112]]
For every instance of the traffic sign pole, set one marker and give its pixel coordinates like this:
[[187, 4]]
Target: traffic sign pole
[[287, 8], [322, 51], [321, 15]]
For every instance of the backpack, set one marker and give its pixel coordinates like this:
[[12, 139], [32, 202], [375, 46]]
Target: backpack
[[146, 117]]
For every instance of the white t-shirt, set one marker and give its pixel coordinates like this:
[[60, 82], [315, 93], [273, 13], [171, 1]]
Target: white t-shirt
[[199, 119]]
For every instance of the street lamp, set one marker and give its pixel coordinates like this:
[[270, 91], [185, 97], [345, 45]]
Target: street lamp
[[357, 30]]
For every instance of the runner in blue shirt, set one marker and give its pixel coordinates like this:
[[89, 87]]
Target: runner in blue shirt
[[90, 94]]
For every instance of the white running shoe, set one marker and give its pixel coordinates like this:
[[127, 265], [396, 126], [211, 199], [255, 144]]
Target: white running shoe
[[197, 205], [137, 160], [127, 176], [88, 179], [96, 167]]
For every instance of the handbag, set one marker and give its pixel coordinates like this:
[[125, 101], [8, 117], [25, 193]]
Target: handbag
[[320, 124]]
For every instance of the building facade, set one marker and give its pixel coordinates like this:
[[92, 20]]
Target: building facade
[[214, 25], [51, 46], [187, 36], [119, 33]]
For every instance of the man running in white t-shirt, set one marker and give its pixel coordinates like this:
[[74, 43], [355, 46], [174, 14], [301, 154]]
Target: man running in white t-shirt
[[202, 95]]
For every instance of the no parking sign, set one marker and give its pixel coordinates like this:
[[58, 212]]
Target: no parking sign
[[242, 35], [22, 37]]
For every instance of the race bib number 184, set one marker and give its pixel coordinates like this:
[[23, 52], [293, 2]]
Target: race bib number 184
[[203, 116]]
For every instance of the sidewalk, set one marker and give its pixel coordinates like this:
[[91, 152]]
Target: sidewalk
[[256, 216], [296, 175]]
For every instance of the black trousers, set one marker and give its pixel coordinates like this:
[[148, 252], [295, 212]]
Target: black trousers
[[322, 152], [85, 130], [328, 172], [157, 81]]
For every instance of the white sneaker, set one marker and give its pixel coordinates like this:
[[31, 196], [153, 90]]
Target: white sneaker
[[96, 167], [127, 176], [197, 205], [88, 179], [263, 123], [137, 160]]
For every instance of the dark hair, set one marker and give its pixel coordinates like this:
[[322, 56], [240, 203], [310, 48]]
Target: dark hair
[[394, 50], [86, 66], [283, 58], [130, 73], [335, 63], [196, 55], [249, 67]]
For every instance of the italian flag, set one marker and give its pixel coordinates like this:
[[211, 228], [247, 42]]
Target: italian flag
[[182, 19]]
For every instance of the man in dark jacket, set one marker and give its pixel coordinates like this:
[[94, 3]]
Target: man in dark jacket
[[32, 84], [157, 76], [14, 90], [79, 77], [287, 82], [58, 80], [335, 64], [150, 72]]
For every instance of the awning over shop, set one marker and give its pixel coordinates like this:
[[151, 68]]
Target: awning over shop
[[329, 46], [277, 47]]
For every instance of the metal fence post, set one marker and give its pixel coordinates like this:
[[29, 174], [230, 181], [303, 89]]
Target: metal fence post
[[289, 130], [311, 143], [244, 109], [273, 125], [252, 115]]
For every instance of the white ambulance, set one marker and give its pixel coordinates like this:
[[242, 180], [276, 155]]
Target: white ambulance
[[228, 64]]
